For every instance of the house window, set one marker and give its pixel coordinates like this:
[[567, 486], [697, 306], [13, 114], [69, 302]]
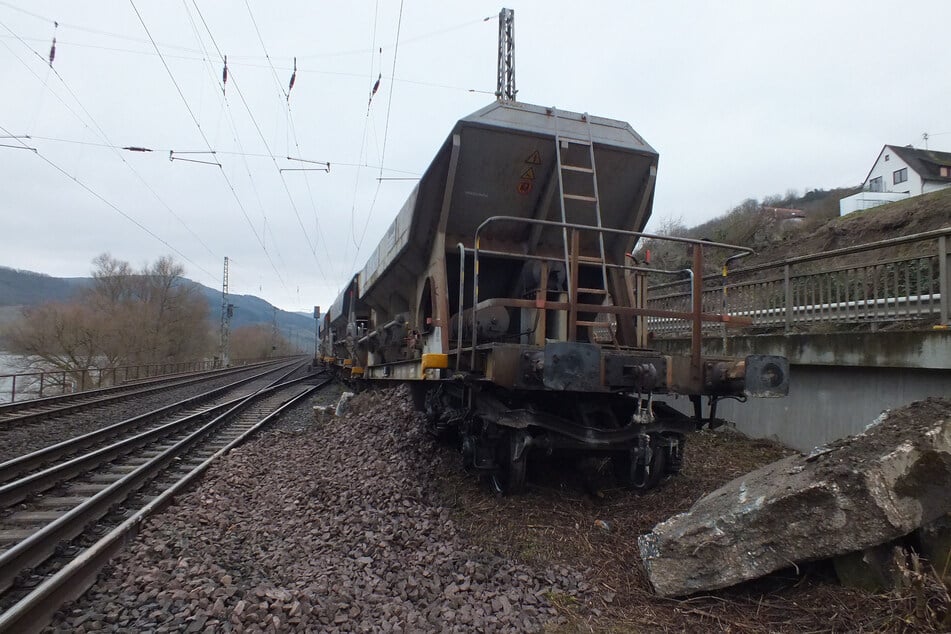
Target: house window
[[887, 157], [900, 176], [875, 185], [945, 171]]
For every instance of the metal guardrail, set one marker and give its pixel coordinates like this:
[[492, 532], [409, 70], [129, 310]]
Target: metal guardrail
[[866, 284]]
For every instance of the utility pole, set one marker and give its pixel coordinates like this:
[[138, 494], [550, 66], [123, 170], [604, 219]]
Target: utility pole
[[274, 330], [505, 88], [227, 310]]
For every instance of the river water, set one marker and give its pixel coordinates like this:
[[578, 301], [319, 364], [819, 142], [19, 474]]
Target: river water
[[10, 364]]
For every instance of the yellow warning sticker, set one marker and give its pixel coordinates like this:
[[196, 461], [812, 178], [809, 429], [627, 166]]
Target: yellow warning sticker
[[534, 158], [528, 174]]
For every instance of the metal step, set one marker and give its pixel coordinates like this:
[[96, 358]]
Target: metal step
[[587, 199], [577, 168], [592, 291]]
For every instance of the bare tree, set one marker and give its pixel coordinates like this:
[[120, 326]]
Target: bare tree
[[258, 342], [58, 336], [126, 317]]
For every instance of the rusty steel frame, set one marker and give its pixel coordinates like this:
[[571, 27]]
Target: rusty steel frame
[[696, 315]]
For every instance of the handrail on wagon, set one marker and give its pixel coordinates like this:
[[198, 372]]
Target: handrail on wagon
[[695, 275]]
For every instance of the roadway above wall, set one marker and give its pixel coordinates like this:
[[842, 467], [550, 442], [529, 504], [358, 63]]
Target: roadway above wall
[[924, 349]]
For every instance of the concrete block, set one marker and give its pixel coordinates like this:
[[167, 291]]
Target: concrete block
[[854, 494]]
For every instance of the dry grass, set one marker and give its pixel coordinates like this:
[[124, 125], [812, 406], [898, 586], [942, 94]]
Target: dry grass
[[554, 525]]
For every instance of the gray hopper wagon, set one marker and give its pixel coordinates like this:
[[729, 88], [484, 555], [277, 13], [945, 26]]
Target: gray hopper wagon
[[506, 292]]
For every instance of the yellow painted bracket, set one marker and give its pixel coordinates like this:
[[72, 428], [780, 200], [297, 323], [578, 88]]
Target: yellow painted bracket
[[433, 361], [356, 371]]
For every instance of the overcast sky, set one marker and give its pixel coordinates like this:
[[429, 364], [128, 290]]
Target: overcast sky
[[741, 99]]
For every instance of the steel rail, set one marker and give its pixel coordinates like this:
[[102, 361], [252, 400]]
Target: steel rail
[[22, 464], [81, 400], [36, 548], [153, 380], [32, 612], [37, 482]]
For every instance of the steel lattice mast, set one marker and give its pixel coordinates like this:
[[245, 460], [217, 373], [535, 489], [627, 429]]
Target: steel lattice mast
[[505, 88], [226, 312]]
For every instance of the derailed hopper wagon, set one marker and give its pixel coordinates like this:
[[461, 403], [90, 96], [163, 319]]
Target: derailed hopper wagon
[[506, 291]]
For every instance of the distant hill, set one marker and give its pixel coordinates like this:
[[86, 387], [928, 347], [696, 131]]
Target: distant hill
[[27, 288]]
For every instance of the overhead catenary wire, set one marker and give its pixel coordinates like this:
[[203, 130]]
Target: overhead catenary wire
[[389, 105], [161, 150], [226, 108], [232, 62], [363, 141], [267, 148], [116, 208], [290, 123], [99, 131], [407, 40], [234, 193], [366, 161]]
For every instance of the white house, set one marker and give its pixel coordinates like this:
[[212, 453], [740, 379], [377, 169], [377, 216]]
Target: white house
[[900, 172]]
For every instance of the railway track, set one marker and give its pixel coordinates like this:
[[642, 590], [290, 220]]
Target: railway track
[[33, 434], [61, 524], [102, 440], [35, 409]]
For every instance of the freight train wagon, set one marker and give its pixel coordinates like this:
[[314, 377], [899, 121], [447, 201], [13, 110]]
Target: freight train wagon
[[507, 293]]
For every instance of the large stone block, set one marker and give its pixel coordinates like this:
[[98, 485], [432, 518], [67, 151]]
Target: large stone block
[[853, 494]]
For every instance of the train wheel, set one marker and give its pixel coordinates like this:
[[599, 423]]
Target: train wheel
[[509, 477], [633, 473]]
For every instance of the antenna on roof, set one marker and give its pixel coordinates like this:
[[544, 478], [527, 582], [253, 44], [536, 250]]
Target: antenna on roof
[[924, 137], [505, 88]]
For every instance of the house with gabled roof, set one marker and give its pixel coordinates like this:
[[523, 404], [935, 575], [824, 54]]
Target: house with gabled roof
[[900, 172]]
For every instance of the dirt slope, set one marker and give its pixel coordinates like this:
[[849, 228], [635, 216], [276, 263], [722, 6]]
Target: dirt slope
[[907, 217]]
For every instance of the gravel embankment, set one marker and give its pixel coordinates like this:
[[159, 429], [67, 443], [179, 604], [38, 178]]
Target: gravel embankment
[[19, 440], [333, 527]]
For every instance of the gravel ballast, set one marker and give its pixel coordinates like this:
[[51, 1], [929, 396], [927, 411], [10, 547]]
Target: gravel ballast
[[335, 527], [363, 523]]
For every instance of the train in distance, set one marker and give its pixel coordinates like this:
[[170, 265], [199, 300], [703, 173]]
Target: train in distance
[[506, 294]]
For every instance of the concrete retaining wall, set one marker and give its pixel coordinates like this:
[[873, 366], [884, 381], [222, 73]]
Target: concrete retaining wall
[[839, 383], [827, 403]]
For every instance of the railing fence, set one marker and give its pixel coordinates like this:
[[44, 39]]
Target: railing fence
[[867, 284]]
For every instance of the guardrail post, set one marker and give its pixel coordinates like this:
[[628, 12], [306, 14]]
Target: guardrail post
[[787, 289], [42, 376], [13, 389], [944, 280]]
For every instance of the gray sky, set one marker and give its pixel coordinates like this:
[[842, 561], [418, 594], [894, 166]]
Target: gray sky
[[741, 99]]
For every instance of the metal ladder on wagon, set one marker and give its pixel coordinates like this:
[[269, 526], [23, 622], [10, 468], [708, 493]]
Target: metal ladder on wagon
[[585, 197]]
